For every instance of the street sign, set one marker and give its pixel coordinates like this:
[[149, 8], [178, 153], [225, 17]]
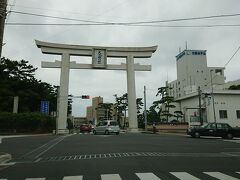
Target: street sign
[[44, 108]]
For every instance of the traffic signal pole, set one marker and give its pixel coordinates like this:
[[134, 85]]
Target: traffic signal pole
[[200, 106], [3, 14], [145, 108]]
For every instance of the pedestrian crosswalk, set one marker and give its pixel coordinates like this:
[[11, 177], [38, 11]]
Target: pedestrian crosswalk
[[152, 176], [184, 175], [220, 176]]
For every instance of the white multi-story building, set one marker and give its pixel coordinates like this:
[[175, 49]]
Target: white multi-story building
[[192, 73]]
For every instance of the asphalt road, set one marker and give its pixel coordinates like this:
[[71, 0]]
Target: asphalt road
[[126, 156]]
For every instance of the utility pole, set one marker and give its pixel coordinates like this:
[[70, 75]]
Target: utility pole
[[200, 105], [3, 14], [57, 109], [214, 114], [145, 108], [15, 104]]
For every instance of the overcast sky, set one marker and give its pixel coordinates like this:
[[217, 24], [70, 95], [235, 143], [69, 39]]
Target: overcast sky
[[220, 42]]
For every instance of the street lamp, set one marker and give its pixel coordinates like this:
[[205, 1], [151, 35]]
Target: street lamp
[[214, 114]]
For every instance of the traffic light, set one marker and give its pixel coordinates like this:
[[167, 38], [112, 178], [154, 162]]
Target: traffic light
[[85, 97]]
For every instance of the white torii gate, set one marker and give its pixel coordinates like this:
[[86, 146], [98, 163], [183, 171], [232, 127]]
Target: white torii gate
[[99, 61]]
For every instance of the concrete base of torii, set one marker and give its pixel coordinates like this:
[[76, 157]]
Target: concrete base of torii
[[62, 131], [133, 130]]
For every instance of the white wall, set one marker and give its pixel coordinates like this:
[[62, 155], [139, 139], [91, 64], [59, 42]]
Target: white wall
[[231, 103]]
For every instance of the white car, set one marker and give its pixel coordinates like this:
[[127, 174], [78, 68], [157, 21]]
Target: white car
[[107, 127]]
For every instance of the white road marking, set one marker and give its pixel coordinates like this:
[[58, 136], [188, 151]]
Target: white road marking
[[233, 140], [51, 146], [73, 178], [220, 176], [7, 164], [110, 177], [147, 176], [184, 176]]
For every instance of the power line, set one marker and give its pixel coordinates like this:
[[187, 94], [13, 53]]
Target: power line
[[227, 62], [187, 19], [57, 24], [188, 26], [232, 56], [55, 17], [117, 24], [73, 12], [131, 23]]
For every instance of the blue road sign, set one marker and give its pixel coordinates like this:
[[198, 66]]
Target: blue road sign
[[44, 107]]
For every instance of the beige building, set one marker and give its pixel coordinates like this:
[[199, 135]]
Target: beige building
[[95, 113], [77, 121], [92, 114], [89, 113]]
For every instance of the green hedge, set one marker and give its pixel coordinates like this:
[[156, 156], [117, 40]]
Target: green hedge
[[26, 123]]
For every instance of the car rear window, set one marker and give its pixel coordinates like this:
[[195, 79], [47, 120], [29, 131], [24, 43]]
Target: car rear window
[[113, 123], [104, 123], [219, 126]]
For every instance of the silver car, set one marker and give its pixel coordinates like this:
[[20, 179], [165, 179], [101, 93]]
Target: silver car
[[107, 127]]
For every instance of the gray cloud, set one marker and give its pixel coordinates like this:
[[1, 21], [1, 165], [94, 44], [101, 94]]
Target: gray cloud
[[220, 42]]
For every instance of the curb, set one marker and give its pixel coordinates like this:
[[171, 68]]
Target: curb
[[4, 157]]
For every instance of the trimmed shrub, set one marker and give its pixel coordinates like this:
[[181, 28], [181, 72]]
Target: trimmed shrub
[[26, 123]]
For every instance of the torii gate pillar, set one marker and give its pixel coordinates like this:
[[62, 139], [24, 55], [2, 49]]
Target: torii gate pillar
[[99, 61], [63, 95], [132, 110]]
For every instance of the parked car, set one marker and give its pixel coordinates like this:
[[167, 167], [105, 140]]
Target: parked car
[[223, 130], [107, 127], [85, 128]]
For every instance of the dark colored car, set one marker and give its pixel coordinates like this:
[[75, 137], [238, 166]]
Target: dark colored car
[[223, 130], [85, 128]]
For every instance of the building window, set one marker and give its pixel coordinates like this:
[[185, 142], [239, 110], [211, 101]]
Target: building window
[[218, 71], [223, 114], [238, 114]]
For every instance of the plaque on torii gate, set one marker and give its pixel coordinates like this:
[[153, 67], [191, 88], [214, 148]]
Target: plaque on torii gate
[[99, 61]]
